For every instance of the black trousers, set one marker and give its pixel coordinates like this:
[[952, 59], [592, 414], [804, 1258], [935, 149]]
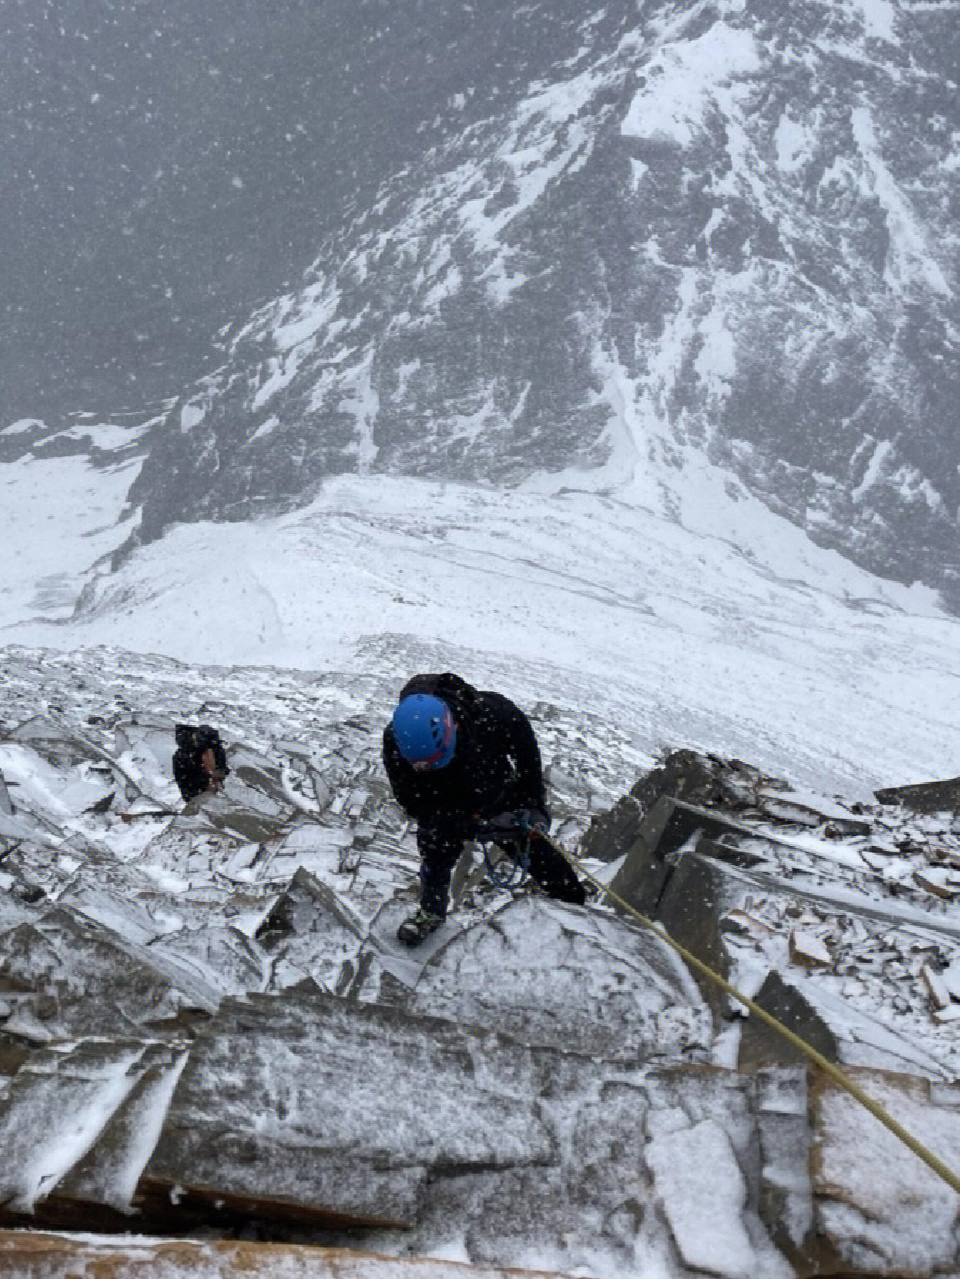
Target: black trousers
[[440, 846]]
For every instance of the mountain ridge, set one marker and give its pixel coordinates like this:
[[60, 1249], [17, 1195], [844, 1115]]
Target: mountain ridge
[[764, 269]]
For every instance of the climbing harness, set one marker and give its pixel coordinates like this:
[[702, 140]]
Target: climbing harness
[[833, 1072], [517, 857]]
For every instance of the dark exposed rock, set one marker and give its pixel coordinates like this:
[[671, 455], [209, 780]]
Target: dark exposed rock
[[762, 1046], [682, 893], [306, 906], [925, 797], [684, 774], [310, 931]]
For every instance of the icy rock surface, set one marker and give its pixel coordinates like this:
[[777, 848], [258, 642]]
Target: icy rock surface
[[611, 989], [884, 1210], [204, 1010], [699, 1182], [312, 1102]]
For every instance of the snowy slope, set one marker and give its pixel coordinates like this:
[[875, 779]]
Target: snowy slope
[[755, 643]]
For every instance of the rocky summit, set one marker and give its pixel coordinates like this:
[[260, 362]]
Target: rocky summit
[[208, 1030]]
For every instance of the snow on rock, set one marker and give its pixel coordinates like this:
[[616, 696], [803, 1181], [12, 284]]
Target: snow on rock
[[210, 1003], [68, 976], [883, 1211], [56, 1107], [808, 949], [342, 1110], [703, 1192], [823, 873], [610, 989], [111, 1170]]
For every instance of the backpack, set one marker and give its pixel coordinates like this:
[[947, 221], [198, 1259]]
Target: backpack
[[192, 740]]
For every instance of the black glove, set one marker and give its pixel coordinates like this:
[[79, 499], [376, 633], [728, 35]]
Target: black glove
[[533, 819], [516, 823], [507, 824]]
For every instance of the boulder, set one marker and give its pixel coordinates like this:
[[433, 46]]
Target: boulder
[[612, 990], [68, 976], [683, 893], [684, 774], [762, 1046], [879, 1209], [310, 933], [321, 1109], [55, 1108]]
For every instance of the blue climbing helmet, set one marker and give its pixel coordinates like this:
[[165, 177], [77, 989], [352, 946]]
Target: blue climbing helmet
[[424, 731]]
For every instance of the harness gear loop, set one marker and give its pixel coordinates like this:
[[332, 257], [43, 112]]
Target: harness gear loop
[[519, 862]]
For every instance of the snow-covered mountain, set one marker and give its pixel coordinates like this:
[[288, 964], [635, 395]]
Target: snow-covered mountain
[[550, 236], [722, 226]]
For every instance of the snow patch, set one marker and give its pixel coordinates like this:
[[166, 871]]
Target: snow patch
[[23, 426], [795, 144], [192, 414], [108, 436], [874, 469], [266, 427], [638, 171], [682, 79], [52, 540], [363, 403], [879, 18]]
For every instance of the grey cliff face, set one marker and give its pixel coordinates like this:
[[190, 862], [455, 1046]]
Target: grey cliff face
[[166, 167], [556, 237]]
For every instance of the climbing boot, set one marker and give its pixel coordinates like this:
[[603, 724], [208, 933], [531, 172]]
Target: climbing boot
[[418, 927]]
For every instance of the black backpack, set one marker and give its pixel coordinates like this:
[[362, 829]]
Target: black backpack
[[192, 741]]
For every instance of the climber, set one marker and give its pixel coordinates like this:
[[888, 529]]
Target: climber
[[456, 756]]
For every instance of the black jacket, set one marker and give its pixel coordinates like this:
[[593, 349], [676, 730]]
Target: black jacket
[[496, 765]]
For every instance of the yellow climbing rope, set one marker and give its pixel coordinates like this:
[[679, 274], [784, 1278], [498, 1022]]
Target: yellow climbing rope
[[834, 1072]]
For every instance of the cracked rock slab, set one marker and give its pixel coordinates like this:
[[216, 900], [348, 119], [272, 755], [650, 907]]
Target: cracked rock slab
[[611, 990], [337, 1112], [879, 1209]]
